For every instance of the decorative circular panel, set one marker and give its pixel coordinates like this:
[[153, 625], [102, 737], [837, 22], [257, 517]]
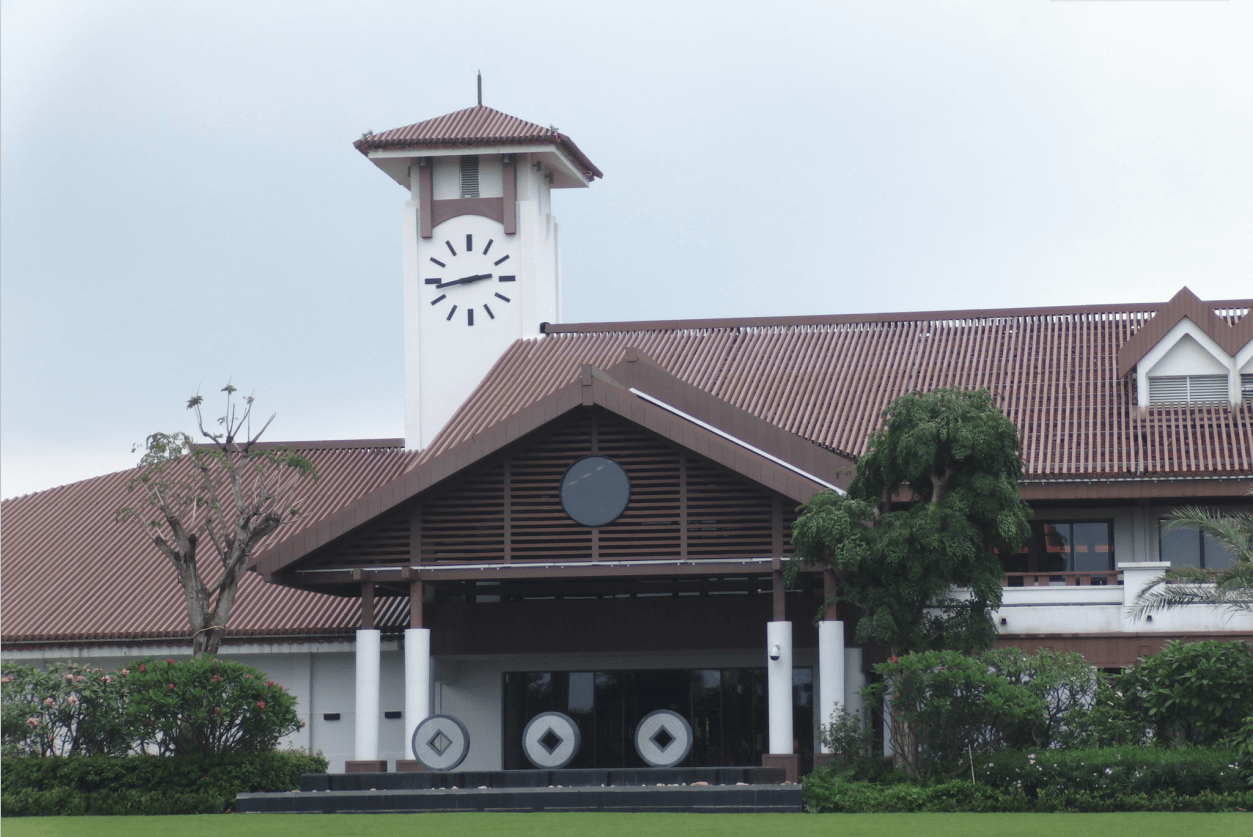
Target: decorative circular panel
[[663, 738], [595, 490], [441, 742], [551, 740]]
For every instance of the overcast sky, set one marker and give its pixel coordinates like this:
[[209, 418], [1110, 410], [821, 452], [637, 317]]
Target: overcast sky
[[180, 202]]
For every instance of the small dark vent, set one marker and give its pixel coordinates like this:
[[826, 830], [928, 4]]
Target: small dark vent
[[330, 716], [470, 176], [391, 716]]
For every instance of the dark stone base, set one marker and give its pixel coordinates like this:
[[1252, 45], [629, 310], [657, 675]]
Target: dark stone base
[[714, 799], [404, 779], [822, 758], [366, 766], [677, 789], [790, 763]]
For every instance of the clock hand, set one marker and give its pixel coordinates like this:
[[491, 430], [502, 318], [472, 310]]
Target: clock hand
[[464, 280]]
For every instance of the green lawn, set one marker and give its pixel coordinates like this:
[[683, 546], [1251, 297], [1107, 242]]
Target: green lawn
[[640, 825]]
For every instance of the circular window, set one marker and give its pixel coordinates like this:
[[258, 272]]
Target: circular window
[[595, 490]]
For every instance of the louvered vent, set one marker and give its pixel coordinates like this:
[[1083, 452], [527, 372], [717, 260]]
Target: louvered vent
[[1168, 389], [1246, 387], [470, 176]]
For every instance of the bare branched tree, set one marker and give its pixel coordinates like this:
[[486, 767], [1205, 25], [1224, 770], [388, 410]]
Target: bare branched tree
[[230, 492]]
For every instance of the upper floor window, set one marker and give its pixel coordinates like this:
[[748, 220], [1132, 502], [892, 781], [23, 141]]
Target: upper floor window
[[1064, 546], [1193, 548], [1246, 387]]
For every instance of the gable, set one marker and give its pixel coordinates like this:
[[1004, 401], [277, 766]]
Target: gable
[[507, 508]]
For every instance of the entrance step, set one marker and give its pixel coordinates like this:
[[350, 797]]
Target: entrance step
[[710, 799]]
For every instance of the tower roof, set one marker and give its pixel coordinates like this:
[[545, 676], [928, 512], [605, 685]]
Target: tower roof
[[474, 127]]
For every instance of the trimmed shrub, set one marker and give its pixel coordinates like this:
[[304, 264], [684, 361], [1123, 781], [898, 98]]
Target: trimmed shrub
[[1113, 771], [947, 710], [1199, 693], [148, 784]]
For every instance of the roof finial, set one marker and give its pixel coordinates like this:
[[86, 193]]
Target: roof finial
[[480, 88]]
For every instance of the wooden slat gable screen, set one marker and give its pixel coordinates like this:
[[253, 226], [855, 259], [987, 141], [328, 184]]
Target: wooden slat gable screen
[[384, 542], [727, 515], [509, 507]]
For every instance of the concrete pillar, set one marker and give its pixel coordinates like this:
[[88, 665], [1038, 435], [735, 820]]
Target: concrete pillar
[[366, 742], [417, 682], [1137, 575], [830, 671], [779, 686]]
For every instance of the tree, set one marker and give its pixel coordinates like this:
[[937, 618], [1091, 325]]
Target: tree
[[230, 492], [955, 457], [1230, 588]]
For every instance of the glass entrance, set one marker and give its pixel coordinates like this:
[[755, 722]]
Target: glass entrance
[[726, 708]]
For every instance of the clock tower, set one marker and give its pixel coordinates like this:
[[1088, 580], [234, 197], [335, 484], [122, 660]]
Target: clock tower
[[481, 260]]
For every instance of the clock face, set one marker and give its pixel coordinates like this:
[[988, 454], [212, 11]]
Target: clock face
[[470, 277]]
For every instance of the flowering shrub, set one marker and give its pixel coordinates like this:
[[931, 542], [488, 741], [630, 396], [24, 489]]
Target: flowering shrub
[[207, 706], [203, 705], [67, 710]]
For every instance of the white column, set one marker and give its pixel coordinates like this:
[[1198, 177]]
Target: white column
[[366, 742], [417, 682], [779, 686], [830, 671]]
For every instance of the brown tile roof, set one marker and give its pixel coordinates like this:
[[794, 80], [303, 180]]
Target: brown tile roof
[[71, 572], [1054, 371], [476, 126]]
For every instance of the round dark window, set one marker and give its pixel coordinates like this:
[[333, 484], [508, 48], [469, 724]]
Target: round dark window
[[595, 490]]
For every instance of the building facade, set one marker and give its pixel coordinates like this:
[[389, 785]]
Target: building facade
[[594, 518]]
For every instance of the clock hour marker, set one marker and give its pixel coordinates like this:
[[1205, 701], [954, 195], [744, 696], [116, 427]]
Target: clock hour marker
[[438, 262], [439, 299], [488, 309], [502, 296], [450, 313], [448, 244], [490, 241], [507, 278], [469, 316], [469, 243], [434, 280], [504, 258]]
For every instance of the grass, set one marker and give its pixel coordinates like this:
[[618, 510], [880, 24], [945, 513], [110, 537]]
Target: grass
[[637, 825]]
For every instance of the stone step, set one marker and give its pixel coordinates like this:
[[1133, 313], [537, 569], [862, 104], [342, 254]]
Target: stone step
[[709, 799], [580, 778]]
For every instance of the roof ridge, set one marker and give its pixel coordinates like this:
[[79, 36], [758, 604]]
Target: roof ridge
[[1146, 309]]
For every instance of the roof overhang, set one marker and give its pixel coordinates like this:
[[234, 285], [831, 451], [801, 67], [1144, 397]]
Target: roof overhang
[[567, 172]]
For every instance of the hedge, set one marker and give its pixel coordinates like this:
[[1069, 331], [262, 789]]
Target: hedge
[[1111, 779], [146, 784], [827, 793]]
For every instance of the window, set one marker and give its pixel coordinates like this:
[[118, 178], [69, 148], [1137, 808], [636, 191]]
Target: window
[[1058, 546], [1170, 389], [470, 176], [1246, 387], [1192, 548]]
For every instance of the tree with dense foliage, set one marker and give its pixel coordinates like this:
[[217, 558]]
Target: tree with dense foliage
[[934, 496], [230, 492], [1230, 588]]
